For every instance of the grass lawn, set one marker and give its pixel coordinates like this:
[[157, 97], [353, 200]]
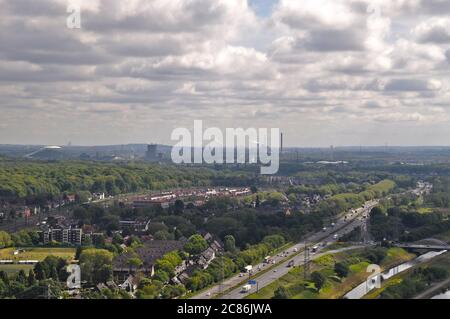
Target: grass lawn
[[12, 269], [335, 287], [425, 210], [37, 253], [396, 254], [294, 276], [359, 267], [388, 283]]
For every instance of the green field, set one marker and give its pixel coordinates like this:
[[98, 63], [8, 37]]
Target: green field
[[382, 187], [335, 287], [37, 253], [12, 269], [32, 254]]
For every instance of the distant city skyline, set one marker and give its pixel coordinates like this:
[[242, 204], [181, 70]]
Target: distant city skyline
[[285, 148], [325, 72]]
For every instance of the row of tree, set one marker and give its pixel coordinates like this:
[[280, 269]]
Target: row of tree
[[415, 283], [38, 182], [398, 224]]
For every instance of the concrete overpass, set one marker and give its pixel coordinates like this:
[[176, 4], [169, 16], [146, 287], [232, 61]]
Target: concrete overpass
[[424, 247]]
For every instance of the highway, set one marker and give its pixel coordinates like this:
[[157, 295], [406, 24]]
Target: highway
[[345, 224], [279, 271]]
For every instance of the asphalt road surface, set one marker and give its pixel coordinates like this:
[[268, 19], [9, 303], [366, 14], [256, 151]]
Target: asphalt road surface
[[345, 224], [278, 272]]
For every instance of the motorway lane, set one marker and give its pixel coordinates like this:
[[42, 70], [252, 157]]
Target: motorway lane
[[359, 218], [344, 225], [282, 269]]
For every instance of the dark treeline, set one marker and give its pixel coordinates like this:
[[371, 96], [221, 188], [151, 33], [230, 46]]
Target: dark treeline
[[419, 280], [39, 181], [221, 217], [406, 226]]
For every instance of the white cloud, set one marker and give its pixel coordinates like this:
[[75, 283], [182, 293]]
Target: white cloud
[[328, 66]]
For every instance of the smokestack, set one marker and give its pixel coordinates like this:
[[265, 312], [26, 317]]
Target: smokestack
[[281, 143]]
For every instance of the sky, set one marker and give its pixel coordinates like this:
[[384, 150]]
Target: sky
[[326, 72]]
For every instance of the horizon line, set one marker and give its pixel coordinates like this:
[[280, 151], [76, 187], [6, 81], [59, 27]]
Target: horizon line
[[285, 147]]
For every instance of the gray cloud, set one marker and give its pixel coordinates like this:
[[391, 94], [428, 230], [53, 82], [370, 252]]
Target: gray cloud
[[412, 85], [185, 16], [436, 7], [325, 68], [335, 40], [26, 8], [438, 34]]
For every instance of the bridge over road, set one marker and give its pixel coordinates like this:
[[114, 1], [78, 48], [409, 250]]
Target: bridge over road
[[425, 247]]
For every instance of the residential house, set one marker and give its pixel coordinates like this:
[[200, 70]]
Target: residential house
[[130, 285], [137, 225], [150, 252], [206, 257]]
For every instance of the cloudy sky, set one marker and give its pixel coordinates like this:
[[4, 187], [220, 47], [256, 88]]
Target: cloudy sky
[[327, 72]]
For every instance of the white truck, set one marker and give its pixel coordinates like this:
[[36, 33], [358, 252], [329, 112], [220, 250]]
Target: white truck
[[248, 269], [246, 289]]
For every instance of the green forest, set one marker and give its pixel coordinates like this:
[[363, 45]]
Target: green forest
[[27, 179]]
